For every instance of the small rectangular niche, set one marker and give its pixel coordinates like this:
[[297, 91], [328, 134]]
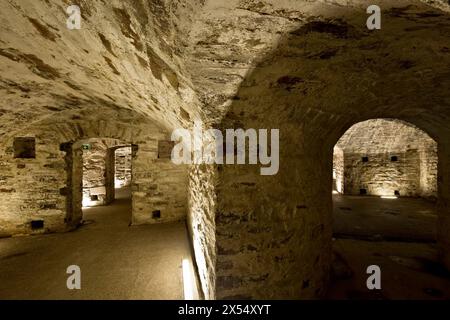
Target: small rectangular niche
[[184, 114], [94, 197], [37, 224], [394, 158], [362, 191], [24, 147], [365, 159], [165, 149], [397, 193], [156, 214]]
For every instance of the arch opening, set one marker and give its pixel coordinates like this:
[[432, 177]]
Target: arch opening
[[385, 192], [385, 157]]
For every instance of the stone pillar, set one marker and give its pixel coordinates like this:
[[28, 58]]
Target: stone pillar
[[74, 186], [109, 175], [273, 233], [159, 187]]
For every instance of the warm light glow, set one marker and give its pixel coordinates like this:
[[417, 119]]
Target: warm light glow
[[200, 261], [187, 281], [118, 183], [335, 192], [388, 197], [339, 185], [87, 202]]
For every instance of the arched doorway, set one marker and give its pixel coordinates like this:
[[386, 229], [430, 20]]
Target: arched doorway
[[384, 212]]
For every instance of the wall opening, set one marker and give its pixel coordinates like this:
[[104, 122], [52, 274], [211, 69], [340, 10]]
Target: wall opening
[[382, 156], [122, 167], [24, 147], [106, 169], [37, 224], [100, 173], [386, 212]]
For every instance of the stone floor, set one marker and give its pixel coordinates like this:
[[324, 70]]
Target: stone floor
[[395, 234], [144, 262], [116, 261], [374, 218]]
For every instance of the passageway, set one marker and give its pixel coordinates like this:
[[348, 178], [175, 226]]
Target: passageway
[[117, 261], [385, 213]]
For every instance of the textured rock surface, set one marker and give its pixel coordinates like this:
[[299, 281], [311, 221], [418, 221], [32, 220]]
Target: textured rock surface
[[138, 69]]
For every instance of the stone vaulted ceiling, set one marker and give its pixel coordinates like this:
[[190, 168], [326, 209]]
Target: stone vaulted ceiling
[[180, 60], [232, 39]]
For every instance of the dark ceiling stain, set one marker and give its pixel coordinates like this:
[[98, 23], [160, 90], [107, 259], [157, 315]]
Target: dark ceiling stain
[[43, 30], [336, 28], [111, 65], [160, 67], [106, 44], [33, 63], [125, 26]]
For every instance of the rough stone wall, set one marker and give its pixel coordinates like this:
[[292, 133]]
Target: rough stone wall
[[109, 175], [382, 177], [159, 187], [201, 224], [126, 59], [274, 245], [122, 165], [30, 189], [51, 189], [368, 150]]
